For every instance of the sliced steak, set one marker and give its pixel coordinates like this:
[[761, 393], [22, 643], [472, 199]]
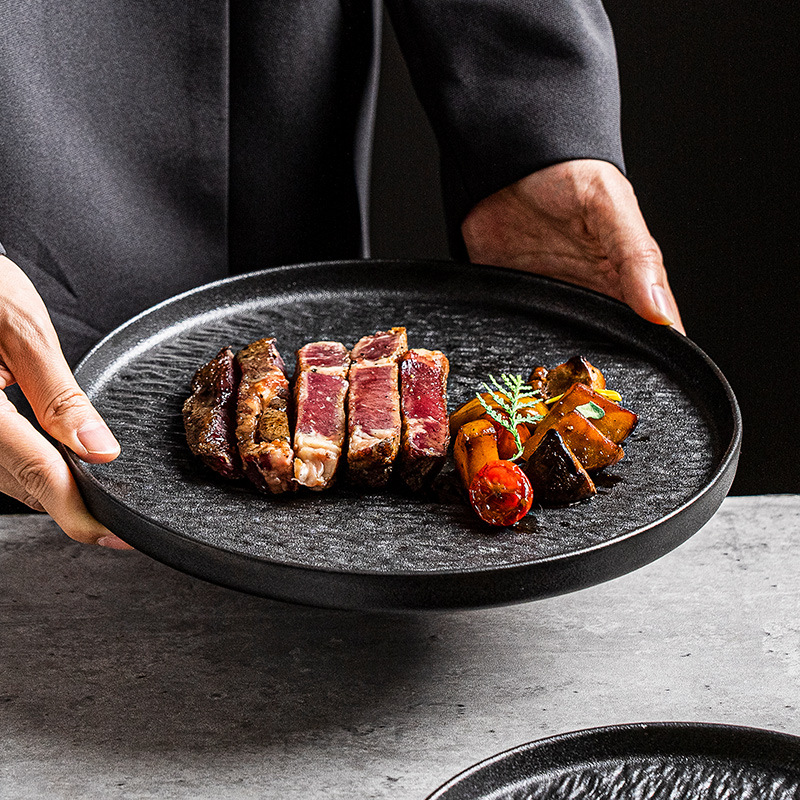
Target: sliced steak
[[209, 414], [373, 407], [423, 403], [262, 421], [330, 357], [373, 423], [320, 390], [381, 347]]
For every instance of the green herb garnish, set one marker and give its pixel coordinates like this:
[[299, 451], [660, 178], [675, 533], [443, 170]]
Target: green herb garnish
[[509, 398], [591, 410]]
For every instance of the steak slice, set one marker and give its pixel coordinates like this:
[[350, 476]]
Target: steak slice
[[426, 429], [373, 407], [209, 414], [320, 390], [262, 420], [330, 357], [381, 347], [373, 423]]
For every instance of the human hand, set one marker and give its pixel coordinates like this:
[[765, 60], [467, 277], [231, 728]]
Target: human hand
[[578, 221], [31, 468]]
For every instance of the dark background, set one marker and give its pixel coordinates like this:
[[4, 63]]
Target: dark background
[[710, 129]]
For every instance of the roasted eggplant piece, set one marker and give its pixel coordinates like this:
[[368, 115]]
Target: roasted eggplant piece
[[576, 370], [475, 446], [616, 422], [591, 448], [556, 475]]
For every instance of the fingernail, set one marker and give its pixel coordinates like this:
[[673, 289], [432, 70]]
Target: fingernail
[[662, 303], [113, 542], [98, 439]]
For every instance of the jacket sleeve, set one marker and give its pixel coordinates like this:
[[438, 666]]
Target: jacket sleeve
[[510, 86]]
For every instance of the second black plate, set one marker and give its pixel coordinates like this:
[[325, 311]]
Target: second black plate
[[647, 761], [390, 550]]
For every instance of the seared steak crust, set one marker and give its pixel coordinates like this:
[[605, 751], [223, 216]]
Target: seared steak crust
[[426, 431], [262, 421], [209, 414], [320, 390]]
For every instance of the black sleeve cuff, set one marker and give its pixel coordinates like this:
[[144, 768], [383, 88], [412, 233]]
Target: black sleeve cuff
[[510, 87]]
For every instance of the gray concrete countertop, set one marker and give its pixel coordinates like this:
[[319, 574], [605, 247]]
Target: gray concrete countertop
[[121, 678]]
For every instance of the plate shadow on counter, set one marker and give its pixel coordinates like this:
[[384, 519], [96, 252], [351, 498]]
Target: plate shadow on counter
[[166, 663]]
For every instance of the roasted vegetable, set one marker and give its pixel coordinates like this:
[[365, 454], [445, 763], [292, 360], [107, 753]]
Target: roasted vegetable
[[473, 409], [506, 444], [556, 475], [576, 370], [559, 426], [591, 448], [538, 380], [501, 493], [475, 445], [613, 420], [508, 414]]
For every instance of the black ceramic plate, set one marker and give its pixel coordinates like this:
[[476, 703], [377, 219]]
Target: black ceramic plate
[[389, 550], [649, 761]]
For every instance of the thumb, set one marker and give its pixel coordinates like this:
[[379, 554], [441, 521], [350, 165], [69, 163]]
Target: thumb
[[644, 285], [60, 405], [65, 412], [31, 354], [635, 256]]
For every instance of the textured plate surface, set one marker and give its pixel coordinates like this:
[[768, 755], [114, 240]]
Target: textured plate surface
[[389, 550], [648, 761]]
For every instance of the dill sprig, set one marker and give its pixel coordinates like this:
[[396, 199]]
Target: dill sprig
[[508, 397]]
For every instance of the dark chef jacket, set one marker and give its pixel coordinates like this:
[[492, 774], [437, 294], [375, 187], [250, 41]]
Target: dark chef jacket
[[149, 146]]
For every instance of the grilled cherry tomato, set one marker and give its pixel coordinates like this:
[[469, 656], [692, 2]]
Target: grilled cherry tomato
[[501, 493]]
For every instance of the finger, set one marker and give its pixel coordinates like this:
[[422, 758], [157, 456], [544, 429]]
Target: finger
[[10, 487], [634, 254], [6, 378], [42, 475], [33, 356], [644, 285], [663, 298]]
